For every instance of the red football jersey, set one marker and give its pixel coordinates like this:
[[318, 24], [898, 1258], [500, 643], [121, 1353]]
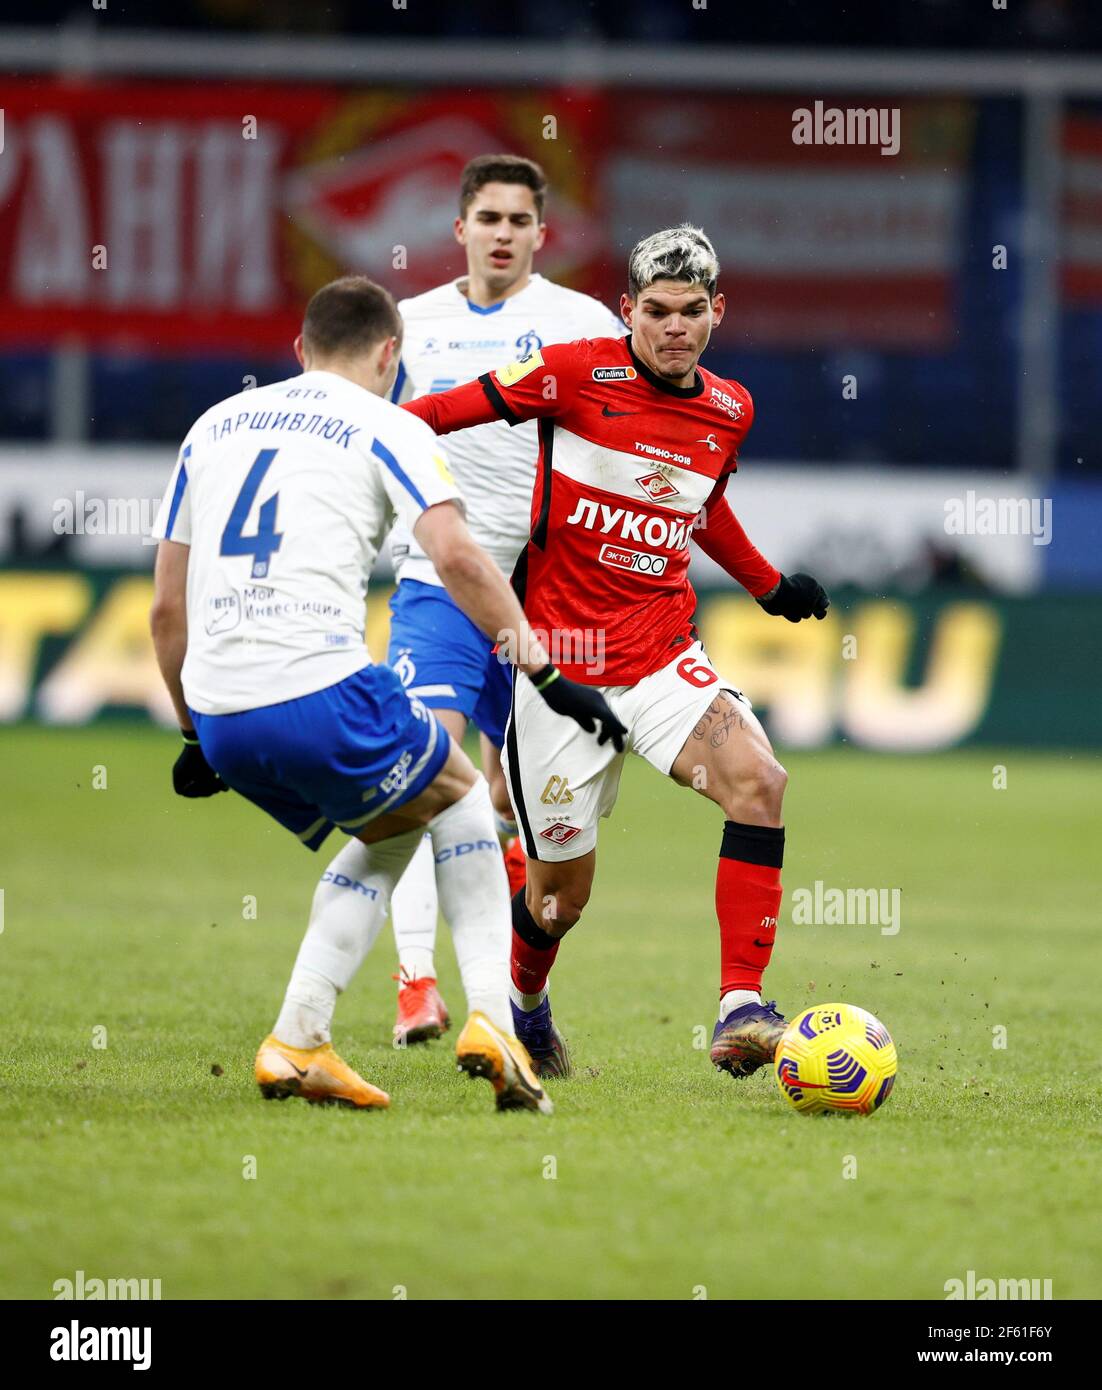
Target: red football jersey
[[626, 463]]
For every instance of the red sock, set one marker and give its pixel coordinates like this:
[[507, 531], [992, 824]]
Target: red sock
[[533, 952], [748, 902]]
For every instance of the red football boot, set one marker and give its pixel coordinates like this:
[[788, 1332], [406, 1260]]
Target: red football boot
[[422, 1013]]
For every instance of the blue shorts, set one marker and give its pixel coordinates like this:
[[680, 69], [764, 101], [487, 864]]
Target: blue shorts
[[444, 660], [338, 757]]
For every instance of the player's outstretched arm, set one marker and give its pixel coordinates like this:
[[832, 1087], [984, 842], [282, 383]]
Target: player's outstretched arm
[[721, 537], [482, 592], [541, 384], [192, 775], [457, 409], [476, 583]]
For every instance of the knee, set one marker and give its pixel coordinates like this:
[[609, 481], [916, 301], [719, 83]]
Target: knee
[[558, 908], [757, 795]]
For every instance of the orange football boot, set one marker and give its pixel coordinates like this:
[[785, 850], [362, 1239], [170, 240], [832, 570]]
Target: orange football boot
[[485, 1051], [316, 1074], [422, 1013]]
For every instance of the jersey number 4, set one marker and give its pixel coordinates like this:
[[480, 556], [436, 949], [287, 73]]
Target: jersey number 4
[[264, 543]]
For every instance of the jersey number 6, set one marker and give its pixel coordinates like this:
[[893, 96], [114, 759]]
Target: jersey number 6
[[696, 675], [267, 540]]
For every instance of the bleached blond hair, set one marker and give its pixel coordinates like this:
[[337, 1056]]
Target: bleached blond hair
[[677, 253]]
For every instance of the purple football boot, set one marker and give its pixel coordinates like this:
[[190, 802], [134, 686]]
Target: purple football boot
[[747, 1038], [546, 1045]]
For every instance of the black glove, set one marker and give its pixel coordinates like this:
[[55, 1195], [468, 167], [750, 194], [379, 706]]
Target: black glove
[[192, 775], [579, 702], [797, 598]]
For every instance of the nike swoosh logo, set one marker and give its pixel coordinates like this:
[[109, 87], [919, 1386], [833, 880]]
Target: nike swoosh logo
[[608, 414], [301, 1071], [762, 943]]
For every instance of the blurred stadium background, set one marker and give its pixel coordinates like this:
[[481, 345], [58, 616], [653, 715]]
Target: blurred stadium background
[[915, 329]]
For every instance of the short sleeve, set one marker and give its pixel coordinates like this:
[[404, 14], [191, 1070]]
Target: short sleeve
[[413, 468], [173, 521]]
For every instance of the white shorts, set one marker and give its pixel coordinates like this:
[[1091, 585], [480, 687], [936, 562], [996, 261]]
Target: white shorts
[[561, 781]]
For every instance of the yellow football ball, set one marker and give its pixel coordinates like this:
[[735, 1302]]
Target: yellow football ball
[[835, 1059]]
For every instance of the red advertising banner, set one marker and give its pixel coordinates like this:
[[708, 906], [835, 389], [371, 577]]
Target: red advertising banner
[[819, 241], [199, 217], [1082, 211]]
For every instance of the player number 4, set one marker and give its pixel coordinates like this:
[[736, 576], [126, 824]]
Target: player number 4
[[266, 540]]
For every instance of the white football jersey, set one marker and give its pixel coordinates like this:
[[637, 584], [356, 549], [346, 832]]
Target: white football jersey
[[285, 494], [447, 341]]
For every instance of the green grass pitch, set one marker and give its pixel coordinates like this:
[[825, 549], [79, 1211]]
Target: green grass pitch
[[124, 913]]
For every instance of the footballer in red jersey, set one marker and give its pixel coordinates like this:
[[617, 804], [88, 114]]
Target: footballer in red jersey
[[637, 443]]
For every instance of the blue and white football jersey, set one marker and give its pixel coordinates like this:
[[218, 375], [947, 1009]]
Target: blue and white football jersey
[[449, 340], [285, 494]]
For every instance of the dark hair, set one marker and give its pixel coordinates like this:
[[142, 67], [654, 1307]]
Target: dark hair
[[349, 316], [502, 168]]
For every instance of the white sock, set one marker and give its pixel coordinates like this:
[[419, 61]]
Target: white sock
[[350, 905], [527, 1002], [734, 999], [413, 914], [474, 898]]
